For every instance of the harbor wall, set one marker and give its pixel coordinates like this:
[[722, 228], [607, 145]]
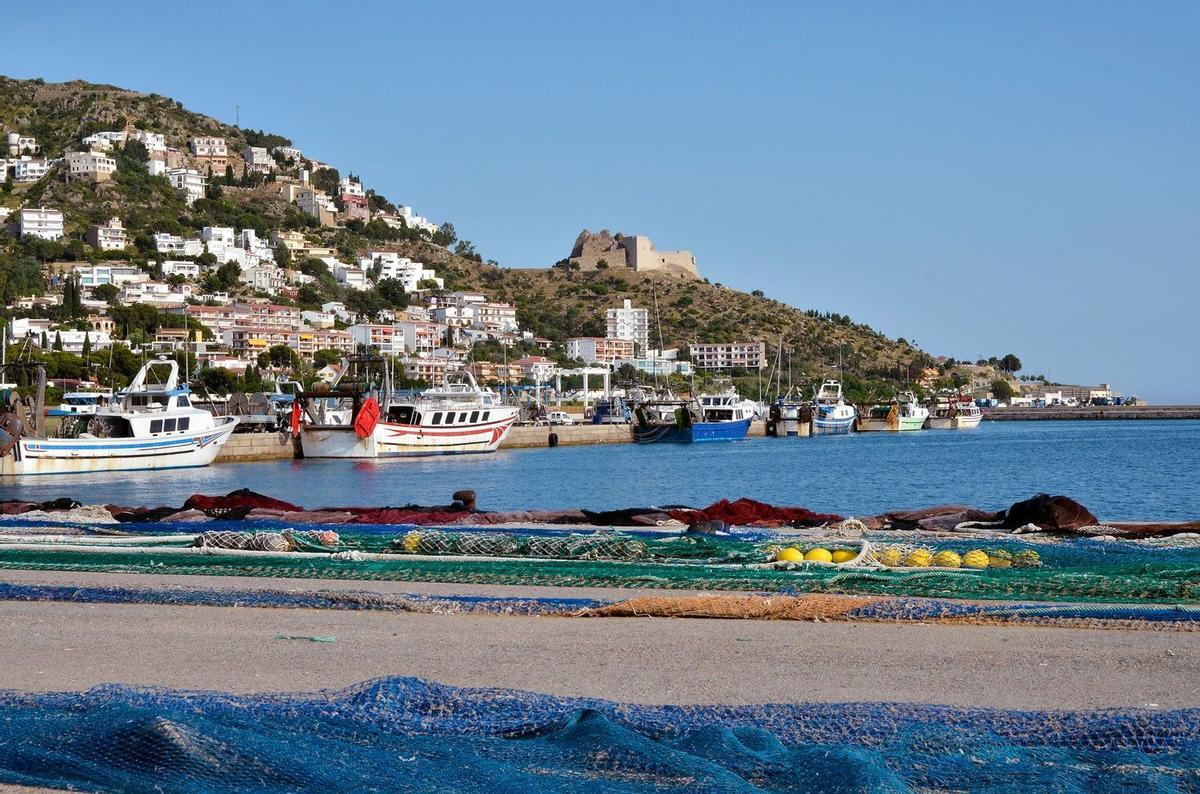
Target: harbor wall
[[577, 435], [245, 447], [568, 435], [1093, 412]]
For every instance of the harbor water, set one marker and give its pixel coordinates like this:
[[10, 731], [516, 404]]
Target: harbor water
[[1121, 470]]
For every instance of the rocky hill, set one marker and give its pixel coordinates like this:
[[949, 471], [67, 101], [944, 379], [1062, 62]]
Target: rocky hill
[[553, 301]]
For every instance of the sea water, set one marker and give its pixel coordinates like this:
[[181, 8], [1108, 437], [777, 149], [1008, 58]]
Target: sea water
[[1121, 470]]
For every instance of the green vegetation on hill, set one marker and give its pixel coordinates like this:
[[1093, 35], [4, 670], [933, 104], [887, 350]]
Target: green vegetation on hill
[[553, 302]]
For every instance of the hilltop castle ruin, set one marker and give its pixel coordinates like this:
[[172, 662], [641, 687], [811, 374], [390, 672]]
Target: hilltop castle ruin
[[635, 252]]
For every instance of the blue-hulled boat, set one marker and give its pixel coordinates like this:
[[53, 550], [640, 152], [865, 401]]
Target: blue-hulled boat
[[831, 414], [687, 422]]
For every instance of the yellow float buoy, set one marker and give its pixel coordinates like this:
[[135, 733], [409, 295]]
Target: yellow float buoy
[[844, 555], [890, 557], [975, 559], [921, 558], [790, 554], [412, 542], [946, 559], [999, 558], [1027, 559], [818, 555]]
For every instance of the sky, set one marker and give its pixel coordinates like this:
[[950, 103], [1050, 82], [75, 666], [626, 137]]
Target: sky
[[978, 178]]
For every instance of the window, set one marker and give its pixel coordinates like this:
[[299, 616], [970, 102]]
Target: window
[[156, 426], [184, 422], [184, 402], [474, 417], [486, 414], [168, 425], [437, 419]]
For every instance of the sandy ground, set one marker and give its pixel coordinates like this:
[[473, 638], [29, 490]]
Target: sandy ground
[[68, 646]]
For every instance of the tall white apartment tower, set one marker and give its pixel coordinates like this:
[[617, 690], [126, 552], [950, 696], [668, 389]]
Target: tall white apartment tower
[[631, 324]]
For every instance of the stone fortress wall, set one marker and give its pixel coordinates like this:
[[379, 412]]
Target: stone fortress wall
[[635, 252]]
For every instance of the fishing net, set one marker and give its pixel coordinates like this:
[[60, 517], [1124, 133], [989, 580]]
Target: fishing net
[[1075, 570], [404, 734]]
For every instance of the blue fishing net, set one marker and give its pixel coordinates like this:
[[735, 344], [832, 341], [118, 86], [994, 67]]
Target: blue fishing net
[[404, 734]]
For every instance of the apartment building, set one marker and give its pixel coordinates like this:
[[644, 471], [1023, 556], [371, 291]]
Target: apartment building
[[41, 222], [173, 267], [95, 275], [726, 355], [211, 150], [596, 349], [175, 245], [220, 319], [155, 143], [313, 339], [384, 337], [107, 236], [354, 200], [391, 265], [90, 166], [289, 153], [497, 316], [629, 323], [29, 170], [539, 368], [104, 141], [19, 144], [247, 341], [258, 160], [430, 370], [350, 276], [491, 372], [188, 181]]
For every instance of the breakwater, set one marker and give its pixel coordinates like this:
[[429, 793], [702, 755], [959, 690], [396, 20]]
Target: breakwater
[[1093, 412]]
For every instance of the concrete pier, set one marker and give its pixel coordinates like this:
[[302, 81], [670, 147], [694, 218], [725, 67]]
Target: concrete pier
[[1093, 412], [246, 447]]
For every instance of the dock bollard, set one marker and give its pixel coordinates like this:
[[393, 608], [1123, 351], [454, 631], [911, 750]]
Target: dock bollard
[[552, 439]]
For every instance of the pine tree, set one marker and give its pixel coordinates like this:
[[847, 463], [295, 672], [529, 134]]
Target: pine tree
[[57, 341], [87, 344]]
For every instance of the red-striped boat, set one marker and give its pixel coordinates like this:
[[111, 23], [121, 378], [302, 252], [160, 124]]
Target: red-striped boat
[[453, 419]]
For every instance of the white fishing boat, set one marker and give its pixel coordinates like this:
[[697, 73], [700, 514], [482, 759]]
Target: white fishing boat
[[831, 414], [955, 412], [456, 418], [727, 405], [903, 413], [150, 425]]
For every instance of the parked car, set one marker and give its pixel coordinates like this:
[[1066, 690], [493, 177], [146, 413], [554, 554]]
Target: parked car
[[560, 418]]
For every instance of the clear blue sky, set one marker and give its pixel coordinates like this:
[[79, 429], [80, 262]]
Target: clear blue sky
[[981, 178]]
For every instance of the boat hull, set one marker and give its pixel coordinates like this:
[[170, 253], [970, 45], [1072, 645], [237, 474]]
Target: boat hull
[[43, 456], [954, 422], [698, 433], [832, 426], [392, 440]]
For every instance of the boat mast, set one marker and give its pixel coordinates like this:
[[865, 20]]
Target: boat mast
[[187, 347]]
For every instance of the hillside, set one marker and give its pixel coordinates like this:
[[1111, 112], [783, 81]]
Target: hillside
[[553, 302]]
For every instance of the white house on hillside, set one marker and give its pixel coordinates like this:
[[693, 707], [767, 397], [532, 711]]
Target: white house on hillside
[[189, 181], [41, 222]]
